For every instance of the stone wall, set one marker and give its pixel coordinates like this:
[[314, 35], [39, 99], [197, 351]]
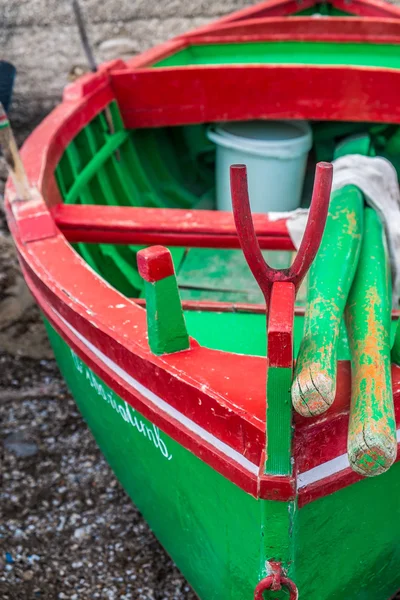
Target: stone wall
[[40, 38]]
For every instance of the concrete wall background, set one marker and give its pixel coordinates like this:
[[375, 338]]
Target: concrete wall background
[[40, 38]]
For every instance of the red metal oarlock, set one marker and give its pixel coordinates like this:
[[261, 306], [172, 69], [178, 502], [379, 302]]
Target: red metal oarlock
[[275, 582], [265, 275]]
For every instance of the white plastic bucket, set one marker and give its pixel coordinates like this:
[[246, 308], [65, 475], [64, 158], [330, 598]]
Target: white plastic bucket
[[275, 153]]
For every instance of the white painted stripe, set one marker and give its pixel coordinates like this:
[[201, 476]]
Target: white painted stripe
[[327, 469], [318, 473], [164, 406]]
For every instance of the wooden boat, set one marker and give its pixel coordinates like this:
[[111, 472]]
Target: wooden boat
[[248, 500]]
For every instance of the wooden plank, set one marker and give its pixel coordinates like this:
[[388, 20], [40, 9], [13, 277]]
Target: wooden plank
[[225, 271], [269, 8], [198, 94], [368, 8], [372, 443], [175, 227], [340, 29]]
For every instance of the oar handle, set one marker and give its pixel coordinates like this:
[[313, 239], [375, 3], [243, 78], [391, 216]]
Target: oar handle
[[263, 273], [13, 160]]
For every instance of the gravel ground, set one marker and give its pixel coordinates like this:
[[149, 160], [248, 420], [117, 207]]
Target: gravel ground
[[67, 529]]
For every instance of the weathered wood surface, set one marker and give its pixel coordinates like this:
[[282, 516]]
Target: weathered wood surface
[[11, 155], [372, 441], [331, 275]]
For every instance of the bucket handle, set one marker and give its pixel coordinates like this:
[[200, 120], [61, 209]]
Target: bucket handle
[[265, 275]]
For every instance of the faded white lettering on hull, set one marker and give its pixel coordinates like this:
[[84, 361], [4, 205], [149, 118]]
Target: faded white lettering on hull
[[125, 411]]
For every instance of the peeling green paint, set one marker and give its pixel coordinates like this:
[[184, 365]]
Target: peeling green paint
[[331, 275], [372, 444]]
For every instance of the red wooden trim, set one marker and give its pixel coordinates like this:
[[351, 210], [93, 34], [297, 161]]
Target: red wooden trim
[[263, 273], [275, 486], [368, 8], [329, 486], [155, 263], [363, 8], [177, 227], [334, 29], [91, 82], [173, 239], [118, 328], [280, 325], [43, 149], [204, 93], [315, 226], [270, 8], [34, 220]]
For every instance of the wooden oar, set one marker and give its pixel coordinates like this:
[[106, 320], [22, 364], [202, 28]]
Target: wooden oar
[[330, 279], [12, 157], [371, 443]]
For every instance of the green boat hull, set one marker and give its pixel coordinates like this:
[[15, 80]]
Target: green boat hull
[[218, 534], [134, 136]]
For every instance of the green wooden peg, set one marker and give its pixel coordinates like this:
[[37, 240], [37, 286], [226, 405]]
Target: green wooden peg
[[371, 443], [165, 320]]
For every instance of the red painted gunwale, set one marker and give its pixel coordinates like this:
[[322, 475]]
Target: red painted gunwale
[[174, 227], [105, 328], [342, 29]]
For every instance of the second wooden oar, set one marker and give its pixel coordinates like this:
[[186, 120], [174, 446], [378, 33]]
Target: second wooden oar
[[11, 156], [330, 279], [372, 444]]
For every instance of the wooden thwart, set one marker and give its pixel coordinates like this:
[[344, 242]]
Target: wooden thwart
[[174, 227]]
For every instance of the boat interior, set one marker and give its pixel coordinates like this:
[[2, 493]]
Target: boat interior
[[174, 168]]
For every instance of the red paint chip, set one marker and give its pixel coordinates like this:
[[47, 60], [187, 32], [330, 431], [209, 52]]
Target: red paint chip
[[155, 263]]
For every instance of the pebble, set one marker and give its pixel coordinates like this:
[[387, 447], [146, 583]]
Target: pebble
[[19, 445]]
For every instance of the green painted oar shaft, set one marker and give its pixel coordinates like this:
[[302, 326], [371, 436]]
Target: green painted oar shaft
[[330, 279], [371, 440]]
